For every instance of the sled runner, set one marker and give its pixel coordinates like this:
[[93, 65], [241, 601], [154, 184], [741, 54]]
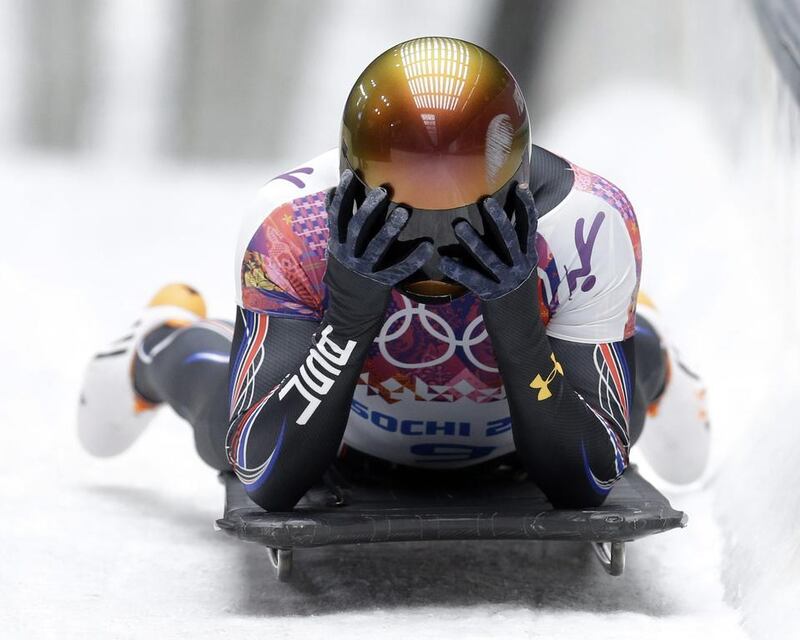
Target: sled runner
[[498, 507]]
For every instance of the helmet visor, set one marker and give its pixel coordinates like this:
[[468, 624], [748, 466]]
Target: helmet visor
[[440, 120]]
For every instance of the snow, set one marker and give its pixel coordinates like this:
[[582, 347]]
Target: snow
[[704, 141], [733, 319], [126, 547]]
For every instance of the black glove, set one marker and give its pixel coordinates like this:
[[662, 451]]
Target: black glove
[[360, 242], [505, 257]]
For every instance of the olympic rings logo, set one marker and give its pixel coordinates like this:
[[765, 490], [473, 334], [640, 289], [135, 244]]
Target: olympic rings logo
[[435, 326]]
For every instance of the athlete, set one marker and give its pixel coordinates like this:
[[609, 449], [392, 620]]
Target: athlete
[[435, 293]]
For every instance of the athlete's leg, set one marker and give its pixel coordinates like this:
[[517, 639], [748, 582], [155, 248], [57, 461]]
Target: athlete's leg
[[670, 404], [111, 415], [650, 374], [187, 368]]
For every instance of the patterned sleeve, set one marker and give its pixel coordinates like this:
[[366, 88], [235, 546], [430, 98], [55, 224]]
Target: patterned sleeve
[[282, 261], [590, 261]]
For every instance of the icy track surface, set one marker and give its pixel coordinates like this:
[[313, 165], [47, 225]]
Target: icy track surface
[[126, 547]]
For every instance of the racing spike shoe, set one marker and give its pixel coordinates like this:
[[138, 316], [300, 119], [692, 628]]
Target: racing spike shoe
[[111, 414], [676, 439]]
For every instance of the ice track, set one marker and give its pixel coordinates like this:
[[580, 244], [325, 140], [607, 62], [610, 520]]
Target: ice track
[[125, 547]]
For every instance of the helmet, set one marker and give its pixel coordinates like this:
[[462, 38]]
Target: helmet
[[440, 123]]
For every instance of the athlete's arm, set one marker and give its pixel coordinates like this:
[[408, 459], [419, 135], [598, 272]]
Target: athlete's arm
[[569, 402], [291, 384], [292, 381]]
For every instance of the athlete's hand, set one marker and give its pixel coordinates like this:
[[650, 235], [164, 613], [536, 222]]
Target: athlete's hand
[[505, 257], [360, 240]]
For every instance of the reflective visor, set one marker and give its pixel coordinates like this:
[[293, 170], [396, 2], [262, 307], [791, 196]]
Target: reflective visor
[[439, 121]]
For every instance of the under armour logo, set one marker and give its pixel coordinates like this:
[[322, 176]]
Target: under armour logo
[[543, 385]]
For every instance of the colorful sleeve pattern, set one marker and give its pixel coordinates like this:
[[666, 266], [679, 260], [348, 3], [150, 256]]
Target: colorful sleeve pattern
[[613, 195], [285, 261]]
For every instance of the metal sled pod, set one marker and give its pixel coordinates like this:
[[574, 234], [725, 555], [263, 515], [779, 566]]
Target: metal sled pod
[[494, 510]]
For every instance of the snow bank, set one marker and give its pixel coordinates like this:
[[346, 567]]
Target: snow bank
[[705, 142], [757, 503]]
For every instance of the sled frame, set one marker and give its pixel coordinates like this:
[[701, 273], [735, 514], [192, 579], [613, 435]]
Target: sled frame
[[359, 514]]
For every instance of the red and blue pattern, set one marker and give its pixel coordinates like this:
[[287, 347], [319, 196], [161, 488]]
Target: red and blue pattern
[[248, 361], [244, 413], [614, 390], [614, 387], [252, 477]]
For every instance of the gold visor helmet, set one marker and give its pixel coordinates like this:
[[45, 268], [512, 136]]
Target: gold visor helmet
[[441, 123]]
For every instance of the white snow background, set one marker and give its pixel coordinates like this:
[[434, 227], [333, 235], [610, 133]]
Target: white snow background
[[125, 548]]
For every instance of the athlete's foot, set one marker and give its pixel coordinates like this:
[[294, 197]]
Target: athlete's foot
[[111, 414], [676, 437]]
